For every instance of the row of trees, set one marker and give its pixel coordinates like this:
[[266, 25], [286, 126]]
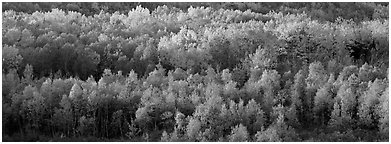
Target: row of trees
[[195, 75], [181, 106], [322, 11], [75, 45]]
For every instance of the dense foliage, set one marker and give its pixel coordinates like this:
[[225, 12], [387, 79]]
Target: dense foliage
[[203, 74], [358, 11]]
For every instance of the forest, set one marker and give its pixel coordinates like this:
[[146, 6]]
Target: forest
[[195, 72]]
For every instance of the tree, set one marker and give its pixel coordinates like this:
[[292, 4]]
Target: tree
[[366, 73], [33, 107], [208, 114], [337, 121], [86, 126], [255, 117], [317, 76], [180, 123], [253, 88], [151, 97], [12, 35], [193, 129], [56, 90], [63, 117], [10, 85], [76, 92], [156, 78], [28, 74], [384, 113], [369, 101], [165, 137], [116, 125], [78, 103], [344, 74], [11, 58], [143, 119], [265, 57], [183, 50], [297, 96], [226, 76], [345, 109], [230, 90], [179, 74], [323, 101], [270, 82], [279, 131], [239, 134]]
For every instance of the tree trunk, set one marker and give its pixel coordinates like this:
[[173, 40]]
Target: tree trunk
[[20, 127], [107, 120]]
